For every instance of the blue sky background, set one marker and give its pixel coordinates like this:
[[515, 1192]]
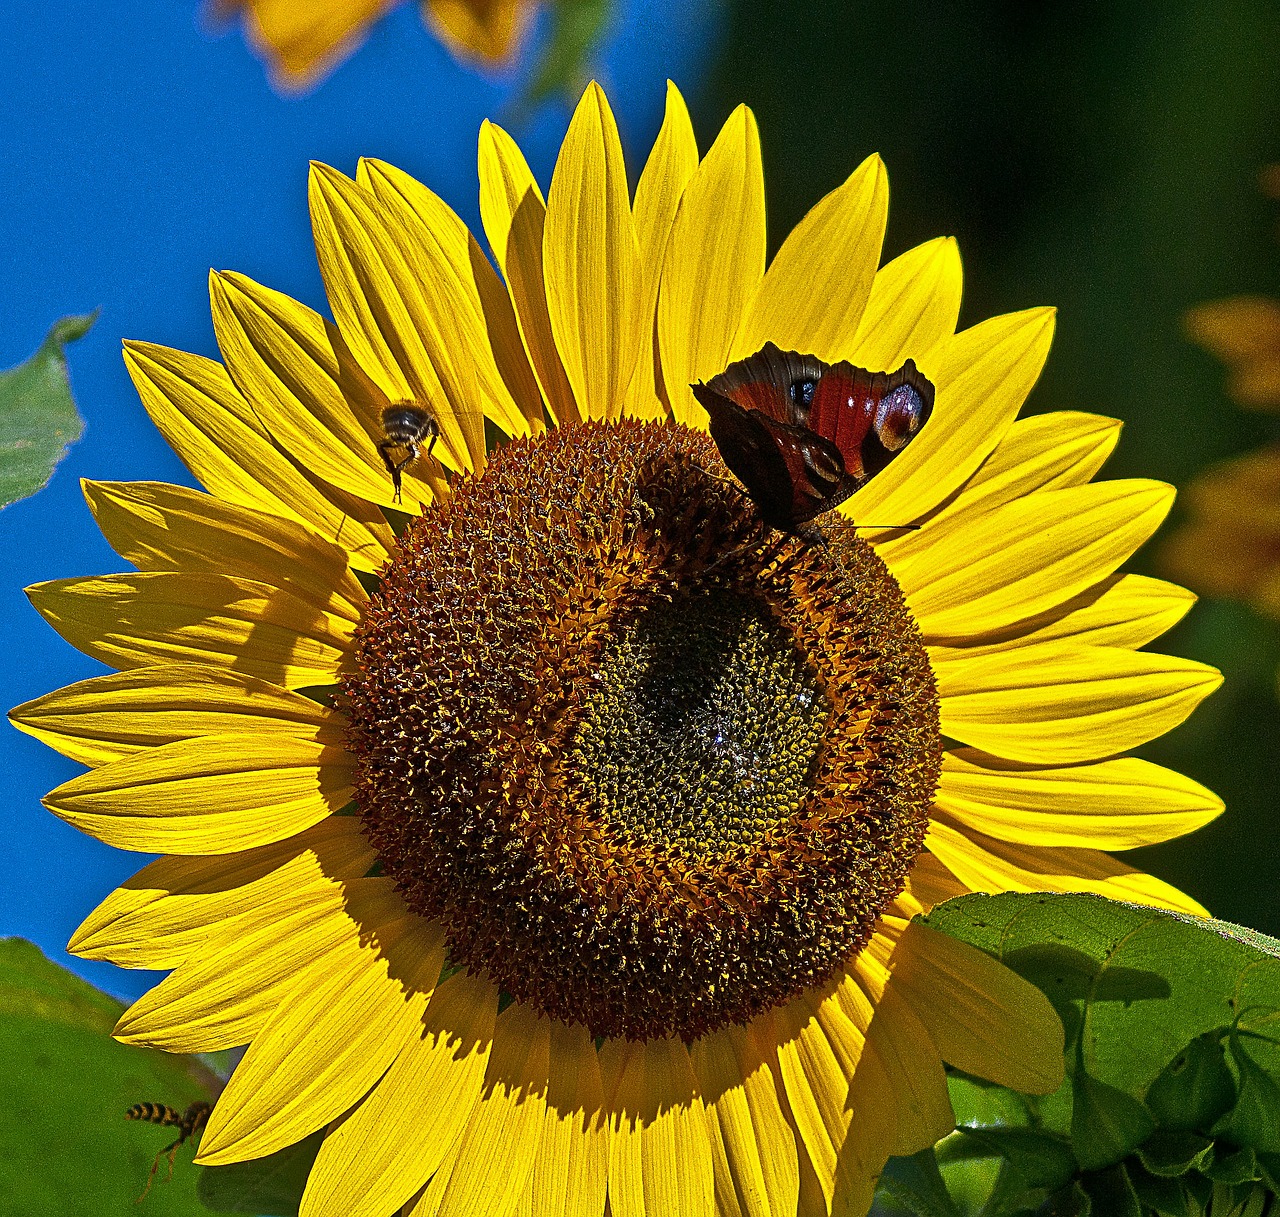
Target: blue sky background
[[138, 151]]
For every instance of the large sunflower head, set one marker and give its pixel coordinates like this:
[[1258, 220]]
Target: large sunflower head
[[549, 837]]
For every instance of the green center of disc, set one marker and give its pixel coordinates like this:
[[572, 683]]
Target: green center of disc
[[701, 728]]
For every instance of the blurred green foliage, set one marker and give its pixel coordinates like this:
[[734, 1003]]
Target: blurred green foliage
[[1103, 157]]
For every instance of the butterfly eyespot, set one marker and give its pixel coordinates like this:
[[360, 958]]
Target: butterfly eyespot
[[802, 392]]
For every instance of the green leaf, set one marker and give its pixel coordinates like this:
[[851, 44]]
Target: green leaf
[[1107, 1125], [38, 418], [1228, 1165], [1040, 1159], [1134, 987], [1112, 1193], [1164, 1196], [67, 1147], [270, 1186], [916, 1185], [981, 1104], [576, 26], [1071, 1201], [1171, 1153], [1195, 1088]]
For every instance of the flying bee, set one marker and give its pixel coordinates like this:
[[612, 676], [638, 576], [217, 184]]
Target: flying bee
[[188, 1124], [406, 425]]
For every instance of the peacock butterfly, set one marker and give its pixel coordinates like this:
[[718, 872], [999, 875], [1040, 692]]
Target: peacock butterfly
[[802, 435]]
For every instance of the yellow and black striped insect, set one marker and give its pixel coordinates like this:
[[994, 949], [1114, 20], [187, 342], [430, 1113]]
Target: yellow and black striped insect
[[188, 1124], [405, 425]]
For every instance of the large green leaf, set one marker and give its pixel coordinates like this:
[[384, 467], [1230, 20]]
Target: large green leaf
[[65, 1145], [38, 418]]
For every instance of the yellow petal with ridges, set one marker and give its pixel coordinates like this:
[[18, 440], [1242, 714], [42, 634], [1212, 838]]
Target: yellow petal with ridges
[[500, 1142], [928, 883], [321, 1050], [914, 305], [571, 1171], [514, 217], [984, 1018], [109, 717], [868, 1144], [915, 1074], [1116, 804], [135, 620], [478, 279], [282, 356], [590, 261], [1043, 452], [813, 295], [214, 430], [982, 376], [985, 864], [1057, 704], [375, 1159], [756, 1168], [222, 995], [157, 526], [208, 795], [171, 907], [672, 162], [1029, 555], [713, 264], [403, 314], [1120, 611], [660, 1151]]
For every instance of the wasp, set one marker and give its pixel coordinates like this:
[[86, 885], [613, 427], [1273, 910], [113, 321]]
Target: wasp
[[405, 425], [188, 1124]]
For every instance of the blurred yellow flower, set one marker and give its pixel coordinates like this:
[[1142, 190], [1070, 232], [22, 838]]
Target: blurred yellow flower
[[558, 851], [303, 40]]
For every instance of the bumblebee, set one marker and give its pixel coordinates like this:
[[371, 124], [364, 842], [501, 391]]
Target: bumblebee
[[188, 1124], [406, 425]]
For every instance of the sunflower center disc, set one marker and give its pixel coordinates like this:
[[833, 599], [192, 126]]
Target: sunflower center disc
[[648, 779]]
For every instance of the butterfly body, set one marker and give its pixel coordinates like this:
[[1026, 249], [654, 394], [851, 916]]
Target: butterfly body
[[802, 435]]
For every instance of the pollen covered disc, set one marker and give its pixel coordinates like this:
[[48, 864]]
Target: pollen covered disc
[[651, 777]]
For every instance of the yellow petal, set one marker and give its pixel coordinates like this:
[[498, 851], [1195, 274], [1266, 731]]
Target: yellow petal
[[756, 1167], [222, 995], [171, 907], [868, 1144], [813, 295], [477, 278], [109, 717], [1121, 611], [591, 262], [713, 264], [375, 1159], [488, 33], [914, 305], [1115, 804], [282, 356], [915, 1075], [514, 217], [500, 1142], [660, 1152], [1029, 555], [571, 1171], [131, 621], [402, 314], [346, 1018], [302, 43], [982, 377], [161, 527], [1237, 329], [213, 429], [671, 164], [985, 864], [208, 795], [984, 1018], [1044, 452], [1056, 704]]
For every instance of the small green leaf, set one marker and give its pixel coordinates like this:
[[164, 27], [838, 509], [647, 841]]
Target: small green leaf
[[1163, 1196], [1071, 1201], [1228, 1165], [1195, 1088], [981, 1104], [1255, 1119], [1112, 1193], [270, 1186], [1269, 1169], [915, 1184], [38, 418], [1170, 1153], [68, 1150], [1040, 1159], [1107, 1125]]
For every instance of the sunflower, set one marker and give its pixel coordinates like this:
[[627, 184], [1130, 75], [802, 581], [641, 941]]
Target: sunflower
[[549, 840], [303, 42]]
